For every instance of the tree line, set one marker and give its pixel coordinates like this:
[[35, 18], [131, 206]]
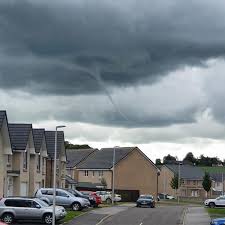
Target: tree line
[[191, 159]]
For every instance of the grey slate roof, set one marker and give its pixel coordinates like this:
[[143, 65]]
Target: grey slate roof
[[50, 142], [217, 177], [70, 180], [76, 156], [38, 138], [187, 171], [19, 134], [2, 117], [103, 158]]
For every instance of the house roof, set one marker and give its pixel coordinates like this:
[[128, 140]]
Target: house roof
[[103, 158], [50, 142], [2, 117], [217, 177], [19, 134], [187, 171], [38, 138], [76, 156], [70, 180]]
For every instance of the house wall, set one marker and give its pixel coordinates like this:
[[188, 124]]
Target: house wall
[[95, 176], [2, 167], [135, 172], [165, 178]]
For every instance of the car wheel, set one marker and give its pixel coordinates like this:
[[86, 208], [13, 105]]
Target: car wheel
[[76, 206], [212, 205], [7, 218], [109, 201], [47, 218]]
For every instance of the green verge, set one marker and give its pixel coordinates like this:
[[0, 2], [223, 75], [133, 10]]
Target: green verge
[[216, 212], [71, 215]]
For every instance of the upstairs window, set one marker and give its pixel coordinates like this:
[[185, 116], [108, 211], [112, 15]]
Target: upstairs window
[[86, 173], [38, 163], [25, 160], [100, 173]]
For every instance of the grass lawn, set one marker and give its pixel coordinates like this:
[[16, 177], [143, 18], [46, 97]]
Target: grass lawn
[[182, 202], [71, 215], [216, 212], [213, 169]]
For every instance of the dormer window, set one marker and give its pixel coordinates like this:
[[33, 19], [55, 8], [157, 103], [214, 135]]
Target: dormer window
[[25, 160]]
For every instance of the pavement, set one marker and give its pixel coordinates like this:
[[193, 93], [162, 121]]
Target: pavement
[[196, 216]]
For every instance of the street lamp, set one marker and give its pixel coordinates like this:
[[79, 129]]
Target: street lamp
[[54, 173], [113, 171], [178, 197]]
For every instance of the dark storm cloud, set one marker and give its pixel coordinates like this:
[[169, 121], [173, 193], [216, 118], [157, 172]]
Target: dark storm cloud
[[55, 47]]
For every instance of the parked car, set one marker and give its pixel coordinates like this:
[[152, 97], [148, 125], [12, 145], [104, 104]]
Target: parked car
[[146, 200], [63, 198], [98, 199], [90, 198], [164, 196], [219, 221], [217, 202], [106, 196], [17, 208]]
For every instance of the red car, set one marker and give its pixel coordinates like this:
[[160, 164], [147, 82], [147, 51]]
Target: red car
[[94, 195]]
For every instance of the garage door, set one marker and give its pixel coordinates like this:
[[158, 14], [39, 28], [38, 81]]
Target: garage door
[[23, 189]]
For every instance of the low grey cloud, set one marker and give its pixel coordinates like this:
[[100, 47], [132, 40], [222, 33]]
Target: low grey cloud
[[65, 48]]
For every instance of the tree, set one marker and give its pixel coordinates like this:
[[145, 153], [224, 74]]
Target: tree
[[69, 145], [207, 183], [190, 158], [169, 159], [158, 162], [174, 182]]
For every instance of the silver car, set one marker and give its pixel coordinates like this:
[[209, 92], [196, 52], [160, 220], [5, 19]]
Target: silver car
[[63, 198], [31, 209]]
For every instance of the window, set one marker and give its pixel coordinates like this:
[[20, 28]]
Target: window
[[182, 181], [100, 173], [93, 173], [16, 203], [25, 160], [61, 194], [38, 163], [86, 173], [194, 193], [194, 182], [9, 160]]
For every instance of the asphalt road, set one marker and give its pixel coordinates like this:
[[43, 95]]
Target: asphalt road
[[147, 216], [169, 215]]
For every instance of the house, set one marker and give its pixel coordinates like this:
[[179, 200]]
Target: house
[[133, 170], [191, 180], [38, 161], [23, 152], [61, 159], [218, 186], [74, 158], [5, 155]]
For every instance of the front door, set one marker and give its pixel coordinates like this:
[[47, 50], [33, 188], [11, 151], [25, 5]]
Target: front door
[[9, 186], [23, 189]]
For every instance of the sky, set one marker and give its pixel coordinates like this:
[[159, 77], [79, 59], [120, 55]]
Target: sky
[[146, 73]]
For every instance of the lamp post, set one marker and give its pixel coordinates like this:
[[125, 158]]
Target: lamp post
[[113, 181], [178, 197], [54, 173]]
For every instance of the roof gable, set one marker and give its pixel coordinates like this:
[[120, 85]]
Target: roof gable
[[103, 159], [39, 135], [187, 171], [76, 156], [2, 117], [19, 134], [50, 143]]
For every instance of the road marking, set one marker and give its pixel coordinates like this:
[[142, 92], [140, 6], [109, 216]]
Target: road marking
[[102, 220]]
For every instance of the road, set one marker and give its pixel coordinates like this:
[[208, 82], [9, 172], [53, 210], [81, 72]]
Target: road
[[169, 215], [146, 216]]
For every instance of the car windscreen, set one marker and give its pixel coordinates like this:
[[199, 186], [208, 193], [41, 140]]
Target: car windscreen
[[146, 197], [41, 203]]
